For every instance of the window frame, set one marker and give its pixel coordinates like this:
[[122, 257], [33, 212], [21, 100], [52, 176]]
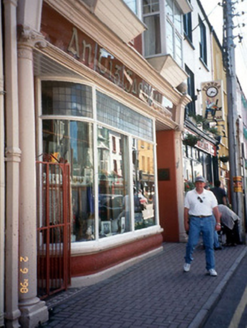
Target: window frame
[[187, 24], [190, 107], [203, 42]]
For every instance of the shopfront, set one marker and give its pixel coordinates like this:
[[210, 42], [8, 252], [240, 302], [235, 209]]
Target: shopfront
[[101, 117], [198, 160], [109, 150], [87, 98]]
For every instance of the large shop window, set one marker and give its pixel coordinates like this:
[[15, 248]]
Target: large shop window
[[72, 141], [113, 113], [124, 180]]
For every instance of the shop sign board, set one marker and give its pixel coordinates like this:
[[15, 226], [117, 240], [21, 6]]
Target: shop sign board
[[212, 100], [64, 35]]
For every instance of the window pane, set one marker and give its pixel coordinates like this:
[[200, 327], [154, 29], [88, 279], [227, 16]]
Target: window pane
[[66, 98], [169, 10], [115, 114], [114, 216], [132, 5], [203, 42], [188, 26], [152, 40], [177, 19], [150, 6], [178, 49], [72, 141], [169, 39], [143, 179]]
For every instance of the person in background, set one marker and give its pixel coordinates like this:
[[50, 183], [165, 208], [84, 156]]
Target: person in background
[[230, 222], [200, 213], [219, 193], [217, 245]]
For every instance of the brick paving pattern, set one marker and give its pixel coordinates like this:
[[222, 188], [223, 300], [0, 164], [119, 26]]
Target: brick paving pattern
[[153, 293]]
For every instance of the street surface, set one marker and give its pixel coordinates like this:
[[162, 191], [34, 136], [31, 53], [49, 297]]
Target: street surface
[[153, 293], [231, 309]]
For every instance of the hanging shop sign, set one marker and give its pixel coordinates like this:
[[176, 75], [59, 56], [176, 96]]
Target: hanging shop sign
[[237, 184], [64, 35], [212, 100]]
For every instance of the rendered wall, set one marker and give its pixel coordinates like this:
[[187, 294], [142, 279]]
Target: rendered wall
[[168, 201]]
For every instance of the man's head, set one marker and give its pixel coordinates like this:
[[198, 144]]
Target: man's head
[[200, 183], [217, 183], [200, 179]]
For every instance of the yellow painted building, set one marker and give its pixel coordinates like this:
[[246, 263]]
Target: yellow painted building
[[219, 74]]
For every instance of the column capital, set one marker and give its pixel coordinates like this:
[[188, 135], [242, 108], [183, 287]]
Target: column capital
[[30, 37], [13, 154], [14, 2]]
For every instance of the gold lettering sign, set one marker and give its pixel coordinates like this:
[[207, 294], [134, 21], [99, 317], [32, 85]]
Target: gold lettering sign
[[60, 32]]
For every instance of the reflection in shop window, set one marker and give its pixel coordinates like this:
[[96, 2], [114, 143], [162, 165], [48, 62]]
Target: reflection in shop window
[[113, 183], [72, 141], [144, 184]]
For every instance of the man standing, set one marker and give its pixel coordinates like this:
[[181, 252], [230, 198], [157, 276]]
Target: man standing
[[219, 193], [199, 207]]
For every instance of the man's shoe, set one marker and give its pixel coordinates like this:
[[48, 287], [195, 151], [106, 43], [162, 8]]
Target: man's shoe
[[212, 273], [186, 267], [218, 248]]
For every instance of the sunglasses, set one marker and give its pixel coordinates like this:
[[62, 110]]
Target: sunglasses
[[199, 198]]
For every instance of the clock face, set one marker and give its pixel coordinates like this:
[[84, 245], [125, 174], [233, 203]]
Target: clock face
[[212, 92]]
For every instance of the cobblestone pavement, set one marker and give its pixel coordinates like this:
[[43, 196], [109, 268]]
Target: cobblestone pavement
[[153, 293]]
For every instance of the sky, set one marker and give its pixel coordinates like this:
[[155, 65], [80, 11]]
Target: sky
[[215, 16]]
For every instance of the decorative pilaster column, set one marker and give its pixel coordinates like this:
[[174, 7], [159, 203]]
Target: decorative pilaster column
[[32, 309], [2, 181], [179, 118], [12, 154]]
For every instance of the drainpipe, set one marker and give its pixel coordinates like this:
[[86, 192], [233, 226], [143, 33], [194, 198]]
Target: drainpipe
[[2, 180], [13, 154]]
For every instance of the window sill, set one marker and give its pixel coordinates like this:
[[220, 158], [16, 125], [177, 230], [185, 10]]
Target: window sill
[[204, 64], [189, 41]]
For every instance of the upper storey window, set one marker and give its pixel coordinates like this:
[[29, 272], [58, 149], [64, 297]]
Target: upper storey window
[[164, 22], [132, 4], [152, 37], [203, 42]]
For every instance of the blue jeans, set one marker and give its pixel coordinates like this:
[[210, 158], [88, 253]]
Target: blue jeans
[[206, 226]]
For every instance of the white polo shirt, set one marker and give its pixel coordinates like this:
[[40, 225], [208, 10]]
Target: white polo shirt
[[200, 204]]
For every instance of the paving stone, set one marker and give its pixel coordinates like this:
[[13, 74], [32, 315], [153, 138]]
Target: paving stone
[[153, 293]]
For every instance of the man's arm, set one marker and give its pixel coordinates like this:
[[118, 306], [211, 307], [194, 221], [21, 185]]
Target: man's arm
[[186, 219], [217, 215]]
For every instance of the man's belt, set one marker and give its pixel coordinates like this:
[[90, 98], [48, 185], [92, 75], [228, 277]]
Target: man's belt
[[201, 216]]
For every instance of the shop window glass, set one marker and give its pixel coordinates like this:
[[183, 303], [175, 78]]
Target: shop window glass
[[144, 184], [187, 170], [72, 141], [66, 98], [113, 184], [113, 113], [197, 169]]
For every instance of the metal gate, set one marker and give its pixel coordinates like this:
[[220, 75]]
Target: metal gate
[[53, 226]]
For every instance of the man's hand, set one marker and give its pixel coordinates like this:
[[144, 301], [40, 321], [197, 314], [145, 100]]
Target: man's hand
[[186, 219], [218, 227]]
